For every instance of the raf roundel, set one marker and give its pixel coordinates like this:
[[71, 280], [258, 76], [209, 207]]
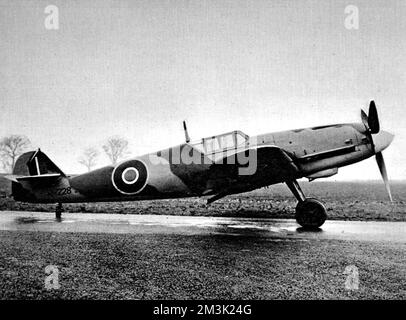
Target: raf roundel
[[130, 177]]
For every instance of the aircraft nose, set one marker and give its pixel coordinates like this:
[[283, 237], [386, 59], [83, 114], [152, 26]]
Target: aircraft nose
[[382, 140]]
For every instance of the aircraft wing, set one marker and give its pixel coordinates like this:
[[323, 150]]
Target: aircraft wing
[[249, 169]]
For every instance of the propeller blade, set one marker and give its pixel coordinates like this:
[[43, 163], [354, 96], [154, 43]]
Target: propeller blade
[[373, 120], [364, 119], [384, 174]]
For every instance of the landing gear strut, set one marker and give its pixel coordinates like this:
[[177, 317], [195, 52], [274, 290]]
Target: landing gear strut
[[58, 211], [310, 212]]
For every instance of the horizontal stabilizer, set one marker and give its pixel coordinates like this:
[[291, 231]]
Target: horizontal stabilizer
[[11, 177], [50, 176], [42, 177]]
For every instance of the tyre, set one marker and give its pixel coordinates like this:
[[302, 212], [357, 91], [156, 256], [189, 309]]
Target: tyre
[[310, 213]]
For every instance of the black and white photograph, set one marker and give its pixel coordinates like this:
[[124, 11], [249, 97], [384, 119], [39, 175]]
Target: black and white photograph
[[201, 155]]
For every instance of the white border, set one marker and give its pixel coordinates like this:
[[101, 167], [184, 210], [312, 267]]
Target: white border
[[137, 175]]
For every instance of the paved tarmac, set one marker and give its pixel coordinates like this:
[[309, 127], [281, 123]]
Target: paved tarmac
[[277, 229]]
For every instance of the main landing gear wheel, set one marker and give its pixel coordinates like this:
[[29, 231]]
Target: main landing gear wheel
[[310, 213]]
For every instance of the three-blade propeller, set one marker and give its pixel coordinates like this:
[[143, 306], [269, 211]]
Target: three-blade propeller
[[371, 123]]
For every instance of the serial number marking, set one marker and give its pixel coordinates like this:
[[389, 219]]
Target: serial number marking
[[63, 191]]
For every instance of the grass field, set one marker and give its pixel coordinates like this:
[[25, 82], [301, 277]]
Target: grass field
[[156, 266], [343, 200]]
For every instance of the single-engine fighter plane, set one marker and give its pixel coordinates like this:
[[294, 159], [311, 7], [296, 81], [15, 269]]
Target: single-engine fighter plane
[[213, 167]]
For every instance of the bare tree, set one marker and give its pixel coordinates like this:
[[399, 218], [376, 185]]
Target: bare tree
[[89, 158], [11, 147], [115, 148]]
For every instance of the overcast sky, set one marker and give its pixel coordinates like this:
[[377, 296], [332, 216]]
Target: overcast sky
[[138, 68]]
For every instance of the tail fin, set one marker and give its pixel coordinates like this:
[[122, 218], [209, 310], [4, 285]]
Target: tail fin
[[35, 163], [32, 169]]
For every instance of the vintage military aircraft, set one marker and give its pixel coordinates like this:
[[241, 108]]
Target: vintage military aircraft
[[213, 167]]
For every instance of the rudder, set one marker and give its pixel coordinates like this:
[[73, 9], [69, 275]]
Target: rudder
[[35, 163]]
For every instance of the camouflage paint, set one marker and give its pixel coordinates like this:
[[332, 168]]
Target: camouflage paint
[[281, 156]]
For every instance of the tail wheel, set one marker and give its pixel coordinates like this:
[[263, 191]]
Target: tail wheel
[[58, 211], [310, 213]]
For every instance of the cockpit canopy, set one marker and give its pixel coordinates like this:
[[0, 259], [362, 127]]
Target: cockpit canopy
[[223, 142]]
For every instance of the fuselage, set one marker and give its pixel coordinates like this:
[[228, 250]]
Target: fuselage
[[317, 152]]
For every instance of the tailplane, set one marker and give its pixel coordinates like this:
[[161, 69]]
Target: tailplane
[[32, 169]]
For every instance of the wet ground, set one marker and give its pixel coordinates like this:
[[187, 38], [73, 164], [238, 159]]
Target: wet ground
[[116, 256], [185, 225], [344, 201]]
